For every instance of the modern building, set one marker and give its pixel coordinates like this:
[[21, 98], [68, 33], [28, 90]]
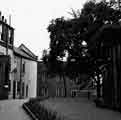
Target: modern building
[[18, 66]]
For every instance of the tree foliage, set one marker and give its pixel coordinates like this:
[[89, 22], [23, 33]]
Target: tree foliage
[[66, 35]]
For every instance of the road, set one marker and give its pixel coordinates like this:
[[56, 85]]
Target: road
[[12, 110]]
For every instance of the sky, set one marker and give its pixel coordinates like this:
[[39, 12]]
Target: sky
[[30, 18]]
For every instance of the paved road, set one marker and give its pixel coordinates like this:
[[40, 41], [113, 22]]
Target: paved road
[[80, 109], [12, 110]]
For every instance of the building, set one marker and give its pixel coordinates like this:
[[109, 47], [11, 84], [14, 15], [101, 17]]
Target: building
[[56, 85], [25, 72], [18, 66], [49, 85], [6, 58]]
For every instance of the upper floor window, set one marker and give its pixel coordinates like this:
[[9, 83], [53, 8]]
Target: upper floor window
[[23, 67], [0, 31], [44, 76], [6, 34], [9, 36]]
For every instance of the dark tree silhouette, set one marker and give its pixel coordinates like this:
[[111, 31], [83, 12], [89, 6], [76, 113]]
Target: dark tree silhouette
[[67, 35]]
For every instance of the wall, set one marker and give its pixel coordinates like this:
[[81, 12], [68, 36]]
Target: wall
[[30, 76], [11, 74]]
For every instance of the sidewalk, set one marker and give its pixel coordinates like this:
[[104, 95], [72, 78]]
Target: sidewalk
[[12, 110], [80, 109]]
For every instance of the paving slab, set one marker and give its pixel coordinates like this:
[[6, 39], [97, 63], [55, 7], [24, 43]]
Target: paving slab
[[12, 110], [80, 109]]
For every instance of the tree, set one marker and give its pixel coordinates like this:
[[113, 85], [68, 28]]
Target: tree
[[68, 35]]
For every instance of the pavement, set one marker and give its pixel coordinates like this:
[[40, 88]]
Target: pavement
[[79, 109], [12, 110]]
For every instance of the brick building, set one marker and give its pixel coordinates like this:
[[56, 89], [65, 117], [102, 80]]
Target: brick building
[[56, 85]]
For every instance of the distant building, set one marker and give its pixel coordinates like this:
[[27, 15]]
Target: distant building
[[48, 85], [56, 85], [18, 66]]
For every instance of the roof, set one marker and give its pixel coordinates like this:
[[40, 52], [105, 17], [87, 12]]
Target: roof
[[24, 53], [23, 48]]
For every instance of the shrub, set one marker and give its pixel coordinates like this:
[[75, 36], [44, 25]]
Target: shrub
[[40, 111]]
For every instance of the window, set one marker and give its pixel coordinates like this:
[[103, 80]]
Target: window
[[0, 31], [26, 90], [44, 76], [44, 91], [9, 85], [9, 36], [62, 91], [73, 93], [18, 86], [23, 67], [23, 89], [57, 78], [57, 92]]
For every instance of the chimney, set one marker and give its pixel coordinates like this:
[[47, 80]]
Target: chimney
[[2, 18], [10, 20]]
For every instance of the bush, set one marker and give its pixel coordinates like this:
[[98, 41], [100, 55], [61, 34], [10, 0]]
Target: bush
[[40, 111]]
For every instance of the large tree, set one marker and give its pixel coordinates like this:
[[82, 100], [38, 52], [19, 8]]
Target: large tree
[[67, 35]]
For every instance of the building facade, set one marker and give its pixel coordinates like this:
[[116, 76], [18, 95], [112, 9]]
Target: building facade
[[18, 66], [6, 58], [57, 85], [25, 72]]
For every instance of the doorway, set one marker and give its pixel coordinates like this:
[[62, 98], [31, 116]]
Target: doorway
[[4, 76]]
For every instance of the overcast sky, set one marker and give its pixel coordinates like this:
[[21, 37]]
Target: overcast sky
[[30, 19]]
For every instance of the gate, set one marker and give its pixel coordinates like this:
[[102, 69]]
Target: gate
[[4, 76]]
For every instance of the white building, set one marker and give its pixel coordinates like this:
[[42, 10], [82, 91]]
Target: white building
[[25, 72], [18, 66]]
